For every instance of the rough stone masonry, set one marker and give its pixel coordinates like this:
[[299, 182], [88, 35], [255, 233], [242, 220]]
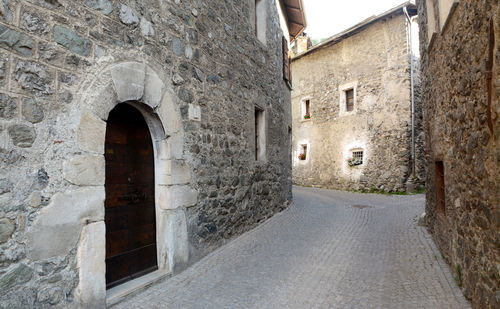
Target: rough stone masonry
[[372, 61], [460, 50], [195, 70]]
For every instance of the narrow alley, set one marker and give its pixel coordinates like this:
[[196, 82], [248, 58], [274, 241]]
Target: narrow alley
[[330, 249]]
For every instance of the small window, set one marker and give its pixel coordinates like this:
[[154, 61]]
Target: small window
[[440, 188], [260, 20], [349, 100], [356, 158], [306, 109], [260, 135], [303, 152]]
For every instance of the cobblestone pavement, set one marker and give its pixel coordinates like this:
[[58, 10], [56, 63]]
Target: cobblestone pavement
[[330, 249]]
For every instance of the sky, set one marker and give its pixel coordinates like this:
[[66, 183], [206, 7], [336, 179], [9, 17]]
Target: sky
[[328, 17]]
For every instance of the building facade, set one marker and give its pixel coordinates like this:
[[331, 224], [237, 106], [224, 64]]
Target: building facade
[[460, 95], [352, 108], [135, 137]]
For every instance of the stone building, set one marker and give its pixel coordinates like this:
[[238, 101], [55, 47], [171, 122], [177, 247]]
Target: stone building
[[460, 50], [136, 137], [352, 108]]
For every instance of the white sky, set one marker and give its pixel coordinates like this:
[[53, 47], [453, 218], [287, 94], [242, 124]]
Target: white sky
[[328, 17]]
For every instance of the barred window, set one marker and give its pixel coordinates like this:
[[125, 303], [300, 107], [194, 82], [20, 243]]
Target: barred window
[[358, 156]]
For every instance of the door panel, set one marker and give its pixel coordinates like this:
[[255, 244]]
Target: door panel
[[129, 207]]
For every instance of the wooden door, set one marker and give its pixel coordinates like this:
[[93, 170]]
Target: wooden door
[[129, 206]]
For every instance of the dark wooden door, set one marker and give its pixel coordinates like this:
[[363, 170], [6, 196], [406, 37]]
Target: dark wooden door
[[129, 206]]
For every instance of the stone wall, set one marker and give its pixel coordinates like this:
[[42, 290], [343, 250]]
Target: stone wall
[[376, 62], [64, 65], [461, 113]]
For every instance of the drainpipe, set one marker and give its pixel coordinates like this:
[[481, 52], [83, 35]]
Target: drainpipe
[[412, 86]]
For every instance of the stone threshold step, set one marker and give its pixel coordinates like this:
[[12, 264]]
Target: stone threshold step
[[118, 293]]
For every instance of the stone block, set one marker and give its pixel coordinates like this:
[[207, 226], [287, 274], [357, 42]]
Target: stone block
[[127, 15], [194, 112], [153, 88], [103, 100], [6, 229], [103, 6], [175, 144], [174, 250], [50, 53], [16, 41], [22, 135], [169, 114], [31, 111], [128, 79], [72, 41], [20, 274], [173, 197], [57, 228], [8, 107], [6, 13], [178, 47], [147, 27], [32, 22], [91, 133], [85, 170], [174, 172], [34, 77], [90, 257]]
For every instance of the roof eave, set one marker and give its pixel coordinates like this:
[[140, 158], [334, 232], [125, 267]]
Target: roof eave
[[301, 23], [357, 28]]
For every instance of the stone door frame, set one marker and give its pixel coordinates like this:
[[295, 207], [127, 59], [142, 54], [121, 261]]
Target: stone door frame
[[139, 85]]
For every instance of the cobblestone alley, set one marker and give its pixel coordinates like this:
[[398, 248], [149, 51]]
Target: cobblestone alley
[[330, 249]]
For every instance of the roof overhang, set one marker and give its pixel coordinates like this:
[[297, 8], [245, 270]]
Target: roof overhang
[[399, 10], [295, 17]]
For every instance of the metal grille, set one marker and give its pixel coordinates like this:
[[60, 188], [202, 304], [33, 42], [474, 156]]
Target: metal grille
[[358, 156]]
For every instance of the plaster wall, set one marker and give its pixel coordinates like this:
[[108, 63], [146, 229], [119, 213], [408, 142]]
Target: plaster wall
[[375, 64]]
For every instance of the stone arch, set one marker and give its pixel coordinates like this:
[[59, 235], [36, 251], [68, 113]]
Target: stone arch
[[139, 85]]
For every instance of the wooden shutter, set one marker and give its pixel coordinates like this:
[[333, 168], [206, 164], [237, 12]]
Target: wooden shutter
[[286, 60]]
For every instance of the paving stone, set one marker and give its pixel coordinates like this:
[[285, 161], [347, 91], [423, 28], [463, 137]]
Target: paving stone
[[323, 252]]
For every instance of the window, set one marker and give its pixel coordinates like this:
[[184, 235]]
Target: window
[[306, 109], [260, 20], [440, 188], [303, 152], [260, 135], [348, 96], [287, 61], [358, 156], [349, 100]]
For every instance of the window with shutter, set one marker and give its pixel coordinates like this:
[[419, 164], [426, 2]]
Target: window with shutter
[[286, 61]]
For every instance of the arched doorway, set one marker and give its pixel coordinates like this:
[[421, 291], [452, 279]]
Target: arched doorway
[[130, 197]]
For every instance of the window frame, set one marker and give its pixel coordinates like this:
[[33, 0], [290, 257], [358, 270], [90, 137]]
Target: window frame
[[343, 89], [260, 134], [303, 108], [349, 100]]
